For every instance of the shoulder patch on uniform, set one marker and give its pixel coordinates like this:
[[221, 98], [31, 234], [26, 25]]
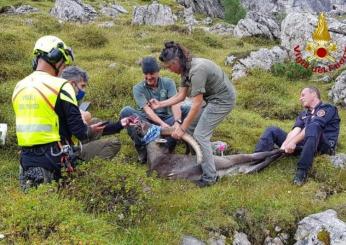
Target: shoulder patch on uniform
[[321, 113]]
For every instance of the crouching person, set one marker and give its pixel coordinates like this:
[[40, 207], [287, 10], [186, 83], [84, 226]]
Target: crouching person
[[93, 147], [47, 115], [154, 87]]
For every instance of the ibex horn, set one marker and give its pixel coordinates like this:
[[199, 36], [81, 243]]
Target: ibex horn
[[188, 139]]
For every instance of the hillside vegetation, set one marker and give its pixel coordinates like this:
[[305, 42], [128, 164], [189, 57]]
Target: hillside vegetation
[[115, 202]]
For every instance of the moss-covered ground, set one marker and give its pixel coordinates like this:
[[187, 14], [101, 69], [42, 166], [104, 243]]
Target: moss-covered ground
[[115, 202]]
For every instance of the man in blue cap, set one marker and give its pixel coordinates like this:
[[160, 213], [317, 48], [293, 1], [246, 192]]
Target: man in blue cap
[[154, 87]]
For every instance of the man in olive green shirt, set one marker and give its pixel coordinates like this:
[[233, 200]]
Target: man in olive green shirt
[[154, 87]]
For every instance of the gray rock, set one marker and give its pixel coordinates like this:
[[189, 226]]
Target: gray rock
[[297, 29], [272, 241], [240, 238], [338, 92], [275, 7], [107, 24], [189, 240], [73, 10], [324, 79], [212, 8], [222, 29], [2, 236], [339, 160], [113, 10], [309, 227], [189, 18], [257, 24], [23, 9], [277, 228], [230, 60], [207, 21], [263, 59], [153, 14]]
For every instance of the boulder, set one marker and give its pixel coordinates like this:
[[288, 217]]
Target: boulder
[[190, 240], [325, 224], [338, 92], [277, 7], [153, 14], [189, 19], [112, 10], [240, 238], [339, 160], [73, 10], [212, 8], [263, 59], [23, 9], [223, 29], [257, 24]]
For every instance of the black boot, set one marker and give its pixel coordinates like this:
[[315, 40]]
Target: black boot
[[300, 177]]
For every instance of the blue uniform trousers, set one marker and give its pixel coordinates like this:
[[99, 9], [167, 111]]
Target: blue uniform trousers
[[314, 142]]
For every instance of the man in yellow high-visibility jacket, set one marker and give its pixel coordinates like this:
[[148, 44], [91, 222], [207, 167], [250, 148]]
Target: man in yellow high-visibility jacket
[[47, 114]]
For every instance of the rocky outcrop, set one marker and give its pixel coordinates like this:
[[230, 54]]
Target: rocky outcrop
[[153, 14], [73, 10], [339, 160], [23, 9], [257, 24], [112, 10], [321, 226], [212, 8], [223, 29], [297, 29], [263, 59], [189, 19], [338, 92], [190, 240], [240, 238], [277, 7]]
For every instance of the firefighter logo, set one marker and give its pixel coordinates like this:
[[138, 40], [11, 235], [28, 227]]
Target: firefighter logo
[[322, 46], [322, 50]]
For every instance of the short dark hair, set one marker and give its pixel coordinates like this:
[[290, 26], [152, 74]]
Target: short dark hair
[[75, 73], [313, 89]]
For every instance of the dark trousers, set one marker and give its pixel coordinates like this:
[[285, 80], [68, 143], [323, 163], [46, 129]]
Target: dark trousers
[[40, 156], [314, 142], [169, 119]]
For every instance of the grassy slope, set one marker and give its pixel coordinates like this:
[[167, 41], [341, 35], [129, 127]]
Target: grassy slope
[[173, 208]]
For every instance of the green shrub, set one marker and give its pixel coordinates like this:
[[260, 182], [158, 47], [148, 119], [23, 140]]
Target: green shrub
[[121, 192], [90, 37], [291, 71], [269, 96], [41, 216], [234, 11]]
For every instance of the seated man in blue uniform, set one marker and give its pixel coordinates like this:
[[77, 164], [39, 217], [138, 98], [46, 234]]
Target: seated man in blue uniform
[[316, 130], [154, 87]]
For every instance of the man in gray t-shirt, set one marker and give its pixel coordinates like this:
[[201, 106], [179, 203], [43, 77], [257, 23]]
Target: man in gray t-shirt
[[154, 87]]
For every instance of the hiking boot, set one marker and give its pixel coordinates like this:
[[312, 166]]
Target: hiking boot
[[33, 177], [300, 177]]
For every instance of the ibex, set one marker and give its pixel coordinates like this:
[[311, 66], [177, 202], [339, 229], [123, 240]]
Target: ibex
[[178, 166]]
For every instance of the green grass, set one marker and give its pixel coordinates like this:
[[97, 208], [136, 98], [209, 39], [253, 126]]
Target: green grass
[[155, 211]]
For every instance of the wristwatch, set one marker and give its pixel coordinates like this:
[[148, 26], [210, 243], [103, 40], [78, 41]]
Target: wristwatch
[[179, 121]]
